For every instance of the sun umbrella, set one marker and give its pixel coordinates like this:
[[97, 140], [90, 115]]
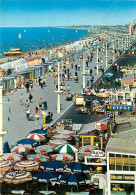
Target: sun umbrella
[[44, 149], [1, 178], [81, 156], [78, 168], [52, 166], [87, 148], [39, 131], [26, 165], [61, 137], [21, 148], [45, 177], [62, 157], [67, 132], [11, 157], [5, 166], [38, 158], [26, 141], [57, 142], [72, 180], [108, 74], [17, 177], [36, 136], [66, 148]]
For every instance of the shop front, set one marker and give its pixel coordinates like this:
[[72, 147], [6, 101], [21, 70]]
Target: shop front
[[121, 164]]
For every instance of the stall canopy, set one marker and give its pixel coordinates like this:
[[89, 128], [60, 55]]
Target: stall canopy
[[86, 128]]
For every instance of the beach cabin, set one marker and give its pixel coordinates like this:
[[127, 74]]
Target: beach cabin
[[8, 84]]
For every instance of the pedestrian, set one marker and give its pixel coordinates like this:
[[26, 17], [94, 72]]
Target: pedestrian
[[40, 103], [41, 83], [44, 82], [77, 78], [45, 105], [21, 99], [64, 89], [27, 104], [76, 66], [27, 87], [30, 97], [79, 67], [68, 77], [61, 87], [88, 81], [36, 113], [71, 65], [68, 89], [27, 113], [31, 84], [39, 80], [91, 71], [56, 86]]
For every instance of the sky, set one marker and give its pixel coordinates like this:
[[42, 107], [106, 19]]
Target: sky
[[42, 13]]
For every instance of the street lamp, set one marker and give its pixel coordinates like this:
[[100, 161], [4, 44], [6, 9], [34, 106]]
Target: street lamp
[[1, 123], [106, 56], [113, 52], [84, 73], [97, 61]]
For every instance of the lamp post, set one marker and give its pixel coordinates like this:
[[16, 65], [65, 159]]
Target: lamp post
[[84, 73], [106, 56], [58, 103], [113, 52], [1, 123], [127, 40], [122, 43], [97, 62]]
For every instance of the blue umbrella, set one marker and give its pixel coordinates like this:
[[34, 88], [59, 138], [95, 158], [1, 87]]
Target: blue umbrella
[[46, 177], [26, 141], [52, 166], [72, 180], [39, 131], [78, 168]]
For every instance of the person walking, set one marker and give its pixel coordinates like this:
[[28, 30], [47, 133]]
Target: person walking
[[27, 87], [27, 113], [21, 99], [27, 104], [68, 89], [30, 97], [40, 103], [39, 80], [36, 113], [41, 84], [31, 85]]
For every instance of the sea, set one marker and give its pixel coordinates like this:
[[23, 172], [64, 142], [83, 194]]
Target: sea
[[36, 37]]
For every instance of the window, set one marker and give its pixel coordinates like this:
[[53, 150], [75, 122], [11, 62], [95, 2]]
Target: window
[[111, 161], [125, 162], [132, 163], [118, 162]]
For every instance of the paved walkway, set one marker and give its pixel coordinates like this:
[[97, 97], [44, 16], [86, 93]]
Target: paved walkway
[[18, 124]]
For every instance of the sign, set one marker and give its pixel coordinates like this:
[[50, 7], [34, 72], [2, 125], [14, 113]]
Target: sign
[[123, 177], [79, 101], [119, 108], [97, 153], [100, 126]]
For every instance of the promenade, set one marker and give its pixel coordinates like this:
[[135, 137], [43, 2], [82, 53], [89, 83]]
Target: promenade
[[18, 125]]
